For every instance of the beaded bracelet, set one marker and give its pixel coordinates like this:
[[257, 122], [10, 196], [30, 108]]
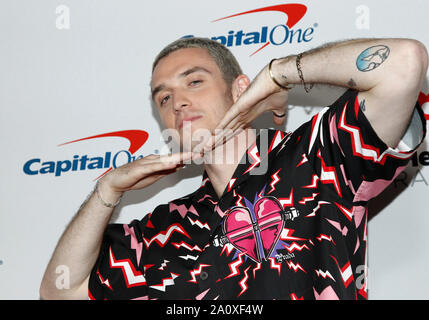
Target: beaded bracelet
[[106, 204]]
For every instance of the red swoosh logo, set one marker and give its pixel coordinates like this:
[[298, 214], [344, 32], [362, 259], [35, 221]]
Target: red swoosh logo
[[424, 98], [294, 12], [136, 138]]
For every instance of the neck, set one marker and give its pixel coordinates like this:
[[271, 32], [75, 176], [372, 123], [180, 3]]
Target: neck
[[221, 163]]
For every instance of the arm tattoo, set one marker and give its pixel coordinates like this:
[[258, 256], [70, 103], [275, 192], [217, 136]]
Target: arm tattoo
[[372, 57], [362, 105]]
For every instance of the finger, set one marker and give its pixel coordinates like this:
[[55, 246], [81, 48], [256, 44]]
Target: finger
[[216, 140], [278, 103], [235, 128], [228, 135], [154, 159], [212, 143], [231, 126], [142, 161], [129, 176], [239, 127], [234, 122], [176, 157], [277, 115], [157, 167], [173, 157], [279, 119], [198, 149], [152, 156], [208, 145], [230, 116], [233, 133]]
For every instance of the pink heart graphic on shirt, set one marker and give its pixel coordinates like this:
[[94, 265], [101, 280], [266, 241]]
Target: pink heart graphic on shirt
[[256, 232]]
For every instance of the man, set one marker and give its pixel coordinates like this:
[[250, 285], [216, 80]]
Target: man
[[296, 230]]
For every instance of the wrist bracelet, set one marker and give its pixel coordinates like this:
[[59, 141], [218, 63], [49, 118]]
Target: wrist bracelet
[[274, 79], [301, 76], [106, 204]]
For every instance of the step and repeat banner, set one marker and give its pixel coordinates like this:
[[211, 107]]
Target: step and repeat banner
[[75, 102]]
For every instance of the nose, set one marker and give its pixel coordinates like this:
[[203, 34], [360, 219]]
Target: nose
[[180, 101]]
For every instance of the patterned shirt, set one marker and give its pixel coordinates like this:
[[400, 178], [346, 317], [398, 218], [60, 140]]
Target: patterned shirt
[[296, 230]]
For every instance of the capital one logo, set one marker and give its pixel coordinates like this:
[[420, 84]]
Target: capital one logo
[[285, 32], [110, 160]]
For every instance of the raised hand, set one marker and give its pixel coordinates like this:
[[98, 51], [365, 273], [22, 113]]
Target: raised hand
[[139, 174], [261, 96]]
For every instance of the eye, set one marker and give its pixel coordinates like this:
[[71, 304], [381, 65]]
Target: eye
[[164, 100], [195, 83]]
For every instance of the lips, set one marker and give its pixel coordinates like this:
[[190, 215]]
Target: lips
[[188, 119]]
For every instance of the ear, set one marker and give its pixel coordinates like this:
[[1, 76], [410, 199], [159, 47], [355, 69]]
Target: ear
[[239, 85]]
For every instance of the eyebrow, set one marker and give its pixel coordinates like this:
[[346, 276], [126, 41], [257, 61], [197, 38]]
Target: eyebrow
[[181, 75]]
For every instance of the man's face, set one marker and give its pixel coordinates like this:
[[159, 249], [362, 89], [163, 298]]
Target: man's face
[[190, 92]]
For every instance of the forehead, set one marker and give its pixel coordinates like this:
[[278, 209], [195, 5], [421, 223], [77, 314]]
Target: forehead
[[179, 61]]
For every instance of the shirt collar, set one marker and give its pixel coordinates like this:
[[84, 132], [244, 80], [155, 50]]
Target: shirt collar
[[255, 161]]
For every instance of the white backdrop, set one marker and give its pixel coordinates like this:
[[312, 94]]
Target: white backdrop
[[76, 69]]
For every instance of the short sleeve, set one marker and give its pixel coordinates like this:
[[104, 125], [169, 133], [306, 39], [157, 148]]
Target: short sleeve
[[119, 270], [345, 139]]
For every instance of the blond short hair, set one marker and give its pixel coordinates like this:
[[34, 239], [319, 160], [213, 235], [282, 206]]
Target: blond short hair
[[223, 58]]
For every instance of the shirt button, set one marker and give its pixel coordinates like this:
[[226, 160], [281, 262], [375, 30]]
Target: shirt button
[[204, 275]]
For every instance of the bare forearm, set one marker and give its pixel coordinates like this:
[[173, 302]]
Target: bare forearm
[[388, 73], [77, 250], [361, 64]]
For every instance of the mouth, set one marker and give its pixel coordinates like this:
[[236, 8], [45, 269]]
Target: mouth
[[190, 119]]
